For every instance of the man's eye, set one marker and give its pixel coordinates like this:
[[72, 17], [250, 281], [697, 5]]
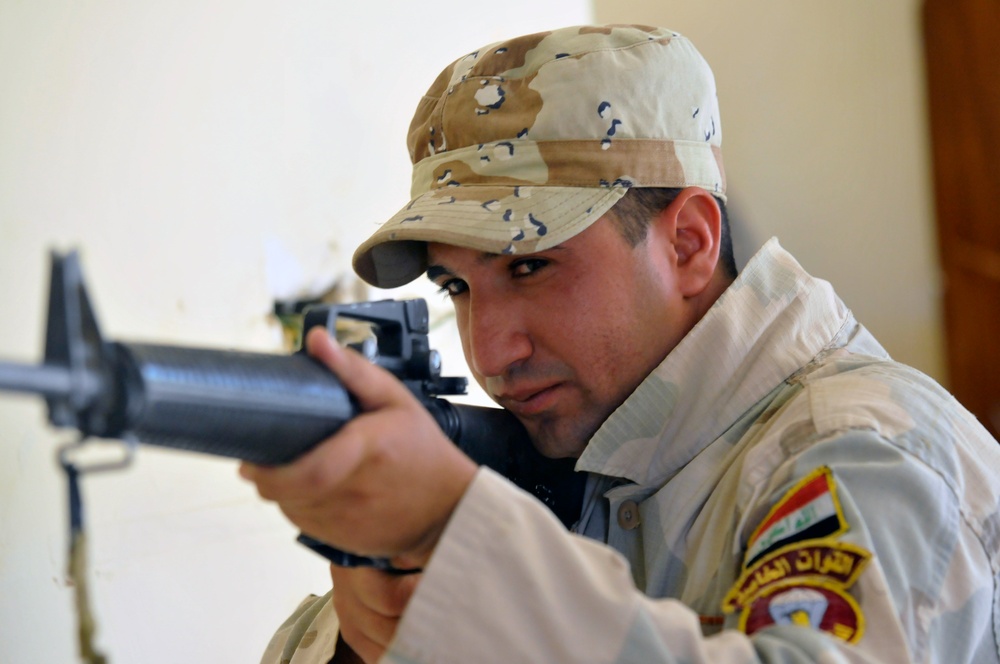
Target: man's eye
[[523, 268], [453, 287]]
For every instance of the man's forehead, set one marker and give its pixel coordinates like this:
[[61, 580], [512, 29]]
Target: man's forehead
[[438, 251], [441, 256], [447, 256]]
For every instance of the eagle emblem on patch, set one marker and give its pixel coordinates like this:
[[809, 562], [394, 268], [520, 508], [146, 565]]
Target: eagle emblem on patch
[[795, 572]]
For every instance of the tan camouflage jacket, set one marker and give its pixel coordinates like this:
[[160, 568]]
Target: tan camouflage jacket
[[778, 490]]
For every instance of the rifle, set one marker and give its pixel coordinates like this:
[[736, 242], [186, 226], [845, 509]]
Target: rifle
[[263, 408]]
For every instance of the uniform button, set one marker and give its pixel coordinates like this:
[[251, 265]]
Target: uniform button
[[628, 515]]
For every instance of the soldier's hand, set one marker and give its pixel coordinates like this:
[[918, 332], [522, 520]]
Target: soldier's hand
[[369, 604], [386, 483]]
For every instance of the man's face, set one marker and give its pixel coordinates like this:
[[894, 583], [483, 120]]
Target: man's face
[[561, 337]]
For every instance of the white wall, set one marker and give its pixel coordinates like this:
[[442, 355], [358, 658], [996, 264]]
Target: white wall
[[826, 145], [205, 157]]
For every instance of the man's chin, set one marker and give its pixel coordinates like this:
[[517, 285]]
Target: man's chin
[[557, 442]]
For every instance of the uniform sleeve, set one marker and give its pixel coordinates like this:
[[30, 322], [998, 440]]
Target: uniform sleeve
[[920, 518], [508, 584]]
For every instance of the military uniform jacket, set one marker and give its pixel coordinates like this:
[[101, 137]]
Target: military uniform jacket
[[777, 490]]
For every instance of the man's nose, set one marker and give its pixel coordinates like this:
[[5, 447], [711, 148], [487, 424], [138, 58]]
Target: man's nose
[[498, 335]]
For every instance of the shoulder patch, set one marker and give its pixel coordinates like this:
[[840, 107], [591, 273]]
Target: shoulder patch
[[804, 583], [808, 510]]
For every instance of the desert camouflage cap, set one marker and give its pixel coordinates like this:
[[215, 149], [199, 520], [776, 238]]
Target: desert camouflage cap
[[519, 146]]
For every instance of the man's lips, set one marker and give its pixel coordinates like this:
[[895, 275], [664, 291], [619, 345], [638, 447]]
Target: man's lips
[[527, 401]]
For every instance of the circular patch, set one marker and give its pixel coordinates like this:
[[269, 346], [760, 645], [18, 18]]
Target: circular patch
[[826, 607]]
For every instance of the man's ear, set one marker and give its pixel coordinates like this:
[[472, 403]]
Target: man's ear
[[694, 224]]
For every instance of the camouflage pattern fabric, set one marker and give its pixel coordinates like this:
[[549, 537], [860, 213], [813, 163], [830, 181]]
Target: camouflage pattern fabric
[[522, 144], [308, 636]]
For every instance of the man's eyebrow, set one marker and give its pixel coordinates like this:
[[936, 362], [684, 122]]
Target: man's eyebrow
[[436, 271]]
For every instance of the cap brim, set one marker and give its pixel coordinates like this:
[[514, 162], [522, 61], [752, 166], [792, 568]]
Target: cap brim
[[491, 219]]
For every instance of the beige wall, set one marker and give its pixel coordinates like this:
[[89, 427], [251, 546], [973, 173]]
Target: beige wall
[[826, 145]]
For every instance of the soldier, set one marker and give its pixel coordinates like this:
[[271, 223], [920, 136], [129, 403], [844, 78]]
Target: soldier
[[764, 483]]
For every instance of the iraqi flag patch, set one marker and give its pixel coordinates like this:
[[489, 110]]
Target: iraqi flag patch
[[809, 510]]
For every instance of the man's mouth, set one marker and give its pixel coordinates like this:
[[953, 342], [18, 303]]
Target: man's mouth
[[530, 400]]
